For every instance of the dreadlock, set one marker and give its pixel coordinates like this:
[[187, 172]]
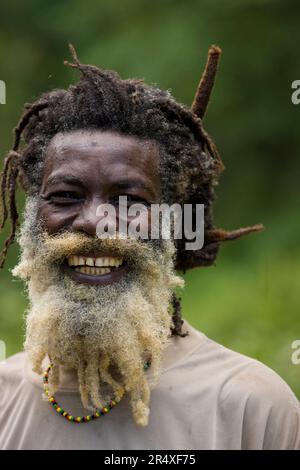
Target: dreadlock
[[189, 165]]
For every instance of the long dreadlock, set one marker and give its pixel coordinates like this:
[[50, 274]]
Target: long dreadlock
[[190, 163]]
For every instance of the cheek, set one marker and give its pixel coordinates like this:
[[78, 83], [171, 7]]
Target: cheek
[[54, 219]]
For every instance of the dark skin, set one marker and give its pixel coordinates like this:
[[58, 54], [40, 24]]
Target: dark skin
[[84, 169]]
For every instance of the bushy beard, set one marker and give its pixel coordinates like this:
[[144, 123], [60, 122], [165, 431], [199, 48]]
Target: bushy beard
[[104, 332]]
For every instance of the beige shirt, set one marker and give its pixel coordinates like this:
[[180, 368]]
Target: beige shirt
[[208, 397]]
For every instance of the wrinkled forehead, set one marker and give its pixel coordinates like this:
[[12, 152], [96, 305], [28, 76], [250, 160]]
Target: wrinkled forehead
[[108, 146], [103, 157]]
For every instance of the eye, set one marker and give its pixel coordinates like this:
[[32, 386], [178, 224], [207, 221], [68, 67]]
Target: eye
[[136, 200], [64, 197], [131, 199]]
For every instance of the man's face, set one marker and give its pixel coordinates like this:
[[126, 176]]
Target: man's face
[[88, 311], [84, 169]]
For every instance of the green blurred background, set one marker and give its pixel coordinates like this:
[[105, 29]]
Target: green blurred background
[[250, 300]]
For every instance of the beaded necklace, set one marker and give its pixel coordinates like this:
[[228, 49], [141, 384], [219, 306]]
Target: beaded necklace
[[83, 419]]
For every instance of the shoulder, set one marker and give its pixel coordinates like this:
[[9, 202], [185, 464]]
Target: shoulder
[[262, 386], [271, 410], [245, 374], [237, 373], [251, 394]]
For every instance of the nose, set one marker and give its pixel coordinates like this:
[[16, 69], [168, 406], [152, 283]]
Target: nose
[[86, 220]]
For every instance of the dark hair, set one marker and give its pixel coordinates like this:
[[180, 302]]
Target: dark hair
[[190, 164]]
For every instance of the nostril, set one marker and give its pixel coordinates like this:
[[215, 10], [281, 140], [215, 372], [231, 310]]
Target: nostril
[[88, 218], [86, 225]]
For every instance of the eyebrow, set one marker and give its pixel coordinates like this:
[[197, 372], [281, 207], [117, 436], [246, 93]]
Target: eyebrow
[[135, 183], [67, 179], [121, 184]]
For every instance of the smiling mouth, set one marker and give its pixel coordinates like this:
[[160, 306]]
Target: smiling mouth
[[95, 269]]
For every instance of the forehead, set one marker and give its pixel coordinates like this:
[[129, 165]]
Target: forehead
[[101, 150]]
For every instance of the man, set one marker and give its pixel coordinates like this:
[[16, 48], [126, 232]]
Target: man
[[104, 335]]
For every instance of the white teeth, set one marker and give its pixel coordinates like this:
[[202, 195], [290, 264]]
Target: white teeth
[[106, 261], [92, 271], [72, 260], [104, 270]]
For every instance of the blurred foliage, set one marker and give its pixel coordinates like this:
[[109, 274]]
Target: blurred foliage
[[250, 301]]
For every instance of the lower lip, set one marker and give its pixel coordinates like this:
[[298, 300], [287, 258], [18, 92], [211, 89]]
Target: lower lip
[[103, 279]]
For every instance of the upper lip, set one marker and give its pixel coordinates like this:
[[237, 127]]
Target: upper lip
[[95, 254]]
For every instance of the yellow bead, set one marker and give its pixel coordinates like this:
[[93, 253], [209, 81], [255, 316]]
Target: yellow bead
[[97, 414], [58, 410], [88, 418]]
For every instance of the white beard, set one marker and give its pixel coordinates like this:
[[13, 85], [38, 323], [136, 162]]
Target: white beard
[[104, 332]]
